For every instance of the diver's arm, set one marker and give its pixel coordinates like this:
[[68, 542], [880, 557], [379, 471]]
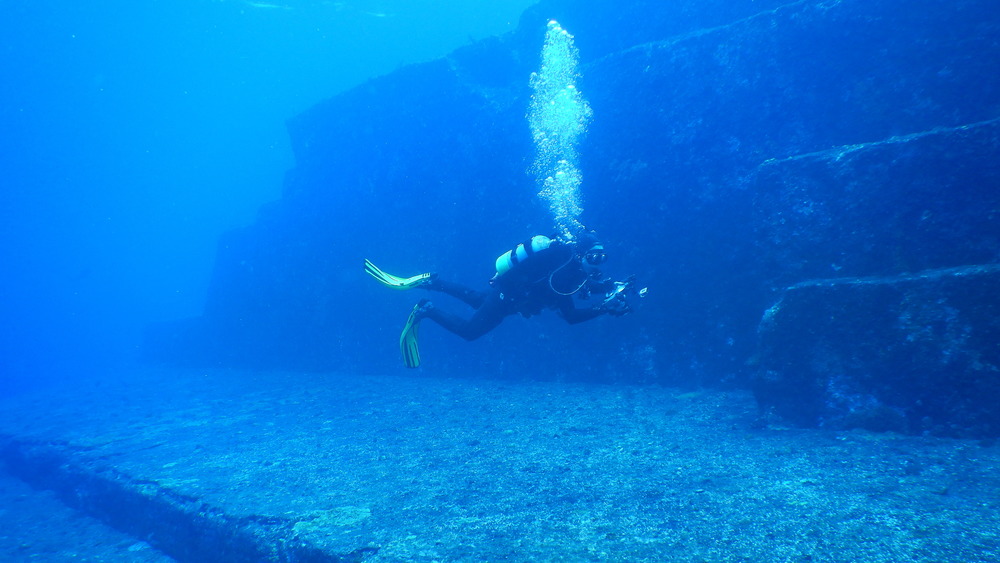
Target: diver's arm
[[573, 315]]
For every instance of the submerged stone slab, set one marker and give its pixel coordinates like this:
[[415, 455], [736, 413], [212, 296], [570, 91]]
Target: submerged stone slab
[[36, 526], [914, 353], [242, 466]]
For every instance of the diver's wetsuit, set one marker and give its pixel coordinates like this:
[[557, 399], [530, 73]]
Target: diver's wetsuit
[[547, 280]]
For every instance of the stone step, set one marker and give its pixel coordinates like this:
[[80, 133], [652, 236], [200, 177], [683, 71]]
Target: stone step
[[36, 526], [913, 353]]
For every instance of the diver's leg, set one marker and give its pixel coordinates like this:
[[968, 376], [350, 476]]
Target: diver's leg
[[485, 319], [469, 296]]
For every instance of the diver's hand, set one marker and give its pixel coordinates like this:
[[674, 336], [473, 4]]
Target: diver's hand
[[616, 307]]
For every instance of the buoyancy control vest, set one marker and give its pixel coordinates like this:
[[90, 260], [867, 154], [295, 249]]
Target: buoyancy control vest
[[532, 271]]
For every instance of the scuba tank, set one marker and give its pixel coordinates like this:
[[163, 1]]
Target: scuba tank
[[521, 252]]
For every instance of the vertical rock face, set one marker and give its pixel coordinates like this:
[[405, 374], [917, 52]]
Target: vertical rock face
[[699, 121], [734, 152], [914, 353], [905, 204]]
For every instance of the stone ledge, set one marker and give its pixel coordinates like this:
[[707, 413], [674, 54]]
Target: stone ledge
[[912, 353], [182, 526]]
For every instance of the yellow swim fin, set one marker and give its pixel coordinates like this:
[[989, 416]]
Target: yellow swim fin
[[408, 339], [396, 282]]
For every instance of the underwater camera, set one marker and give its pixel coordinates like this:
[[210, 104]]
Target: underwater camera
[[617, 298]]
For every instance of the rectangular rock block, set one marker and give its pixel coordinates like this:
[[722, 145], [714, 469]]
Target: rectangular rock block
[[913, 353]]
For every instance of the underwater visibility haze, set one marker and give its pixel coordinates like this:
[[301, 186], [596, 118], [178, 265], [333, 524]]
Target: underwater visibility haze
[[563, 280], [135, 134]]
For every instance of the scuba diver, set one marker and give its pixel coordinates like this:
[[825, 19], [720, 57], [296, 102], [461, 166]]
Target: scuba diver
[[540, 273]]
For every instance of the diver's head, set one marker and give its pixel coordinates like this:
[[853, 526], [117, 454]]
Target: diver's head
[[590, 249], [595, 256]]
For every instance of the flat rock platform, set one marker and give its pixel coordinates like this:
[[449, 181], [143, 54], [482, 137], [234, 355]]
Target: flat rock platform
[[243, 466]]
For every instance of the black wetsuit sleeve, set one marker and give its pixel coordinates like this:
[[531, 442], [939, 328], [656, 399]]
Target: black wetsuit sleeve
[[573, 315]]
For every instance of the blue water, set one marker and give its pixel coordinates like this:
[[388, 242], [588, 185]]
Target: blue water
[[134, 135], [810, 190]]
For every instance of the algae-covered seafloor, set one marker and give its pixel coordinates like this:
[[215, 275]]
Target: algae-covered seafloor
[[374, 468]]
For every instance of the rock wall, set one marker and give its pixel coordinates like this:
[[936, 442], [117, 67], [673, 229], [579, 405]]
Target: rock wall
[[914, 353], [735, 151]]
